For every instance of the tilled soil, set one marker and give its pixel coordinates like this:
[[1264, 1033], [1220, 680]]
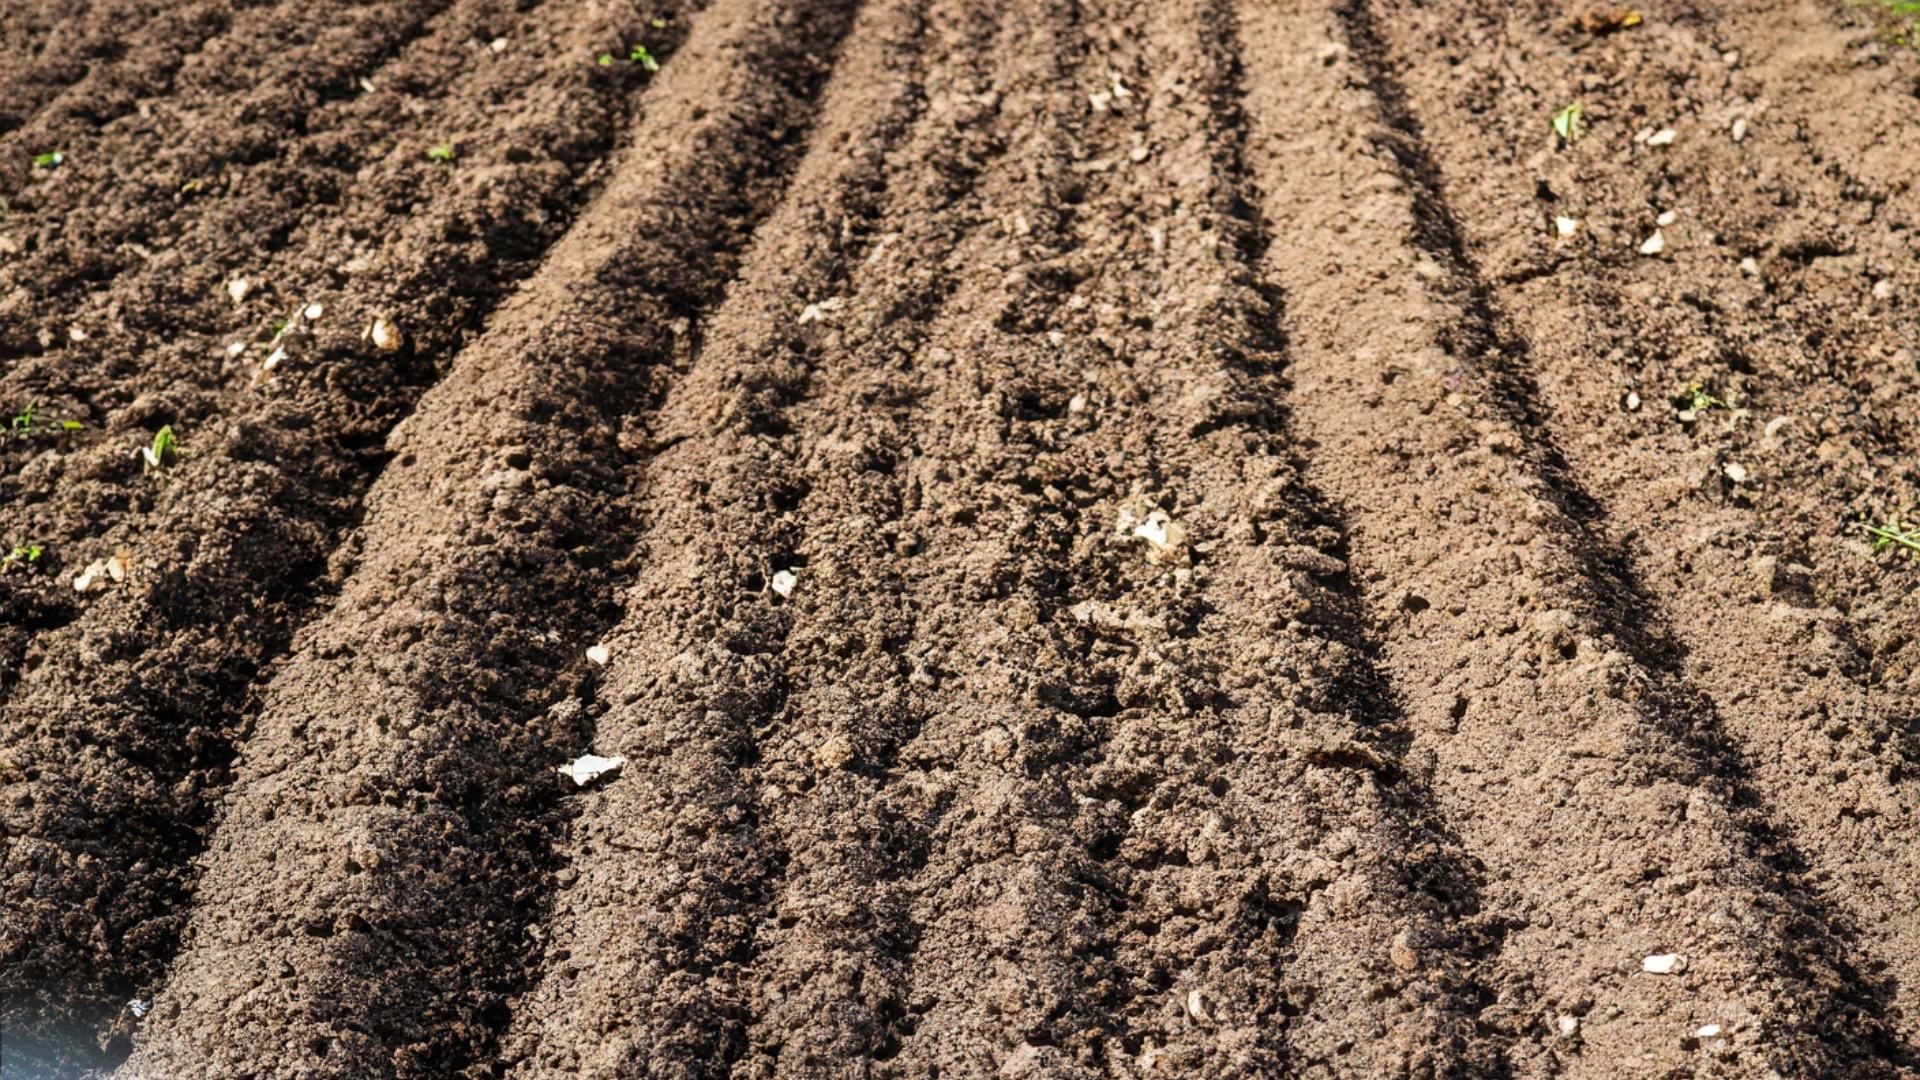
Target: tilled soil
[[1115, 539]]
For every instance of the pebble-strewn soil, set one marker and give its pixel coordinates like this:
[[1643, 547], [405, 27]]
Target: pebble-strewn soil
[[1114, 539]]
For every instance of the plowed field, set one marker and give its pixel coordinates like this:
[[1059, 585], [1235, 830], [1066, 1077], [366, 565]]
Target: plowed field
[[1194, 538]]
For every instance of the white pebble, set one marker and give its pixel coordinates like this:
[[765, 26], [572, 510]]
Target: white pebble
[[313, 312], [273, 359], [1663, 137], [1883, 289], [498, 44], [1749, 266], [1708, 1031], [1077, 403], [1667, 217], [587, 768], [1196, 1005], [238, 288], [1569, 1025], [1739, 129], [598, 654], [1654, 244], [1633, 401], [784, 581], [1566, 226], [1663, 964], [385, 336], [236, 348], [1736, 472]]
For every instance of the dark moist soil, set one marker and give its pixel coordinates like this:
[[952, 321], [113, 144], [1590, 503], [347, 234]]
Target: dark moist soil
[[1129, 539]]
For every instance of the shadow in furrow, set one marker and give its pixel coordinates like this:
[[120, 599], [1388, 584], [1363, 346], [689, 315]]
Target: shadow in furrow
[[1850, 1020]]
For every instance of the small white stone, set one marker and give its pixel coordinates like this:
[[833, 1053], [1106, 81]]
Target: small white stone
[[1708, 1031], [366, 84], [1739, 129], [1569, 1025], [1566, 226], [385, 336], [1774, 425], [1749, 265], [1731, 56], [587, 768], [1663, 137], [238, 289], [1077, 403], [1736, 472], [1633, 401], [1883, 289], [273, 359], [1196, 1005], [498, 44], [1667, 217], [784, 581], [236, 348], [817, 312], [598, 654], [75, 333], [1654, 244], [313, 312], [1664, 964]]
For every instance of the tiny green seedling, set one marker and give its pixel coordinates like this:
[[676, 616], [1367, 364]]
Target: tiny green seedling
[[23, 421], [657, 23], [1694, 400], [1894, 534], [443, 152], [164, 449], [192, 187], [49, 160], [1570, 123], [21, 555], [641, 56]]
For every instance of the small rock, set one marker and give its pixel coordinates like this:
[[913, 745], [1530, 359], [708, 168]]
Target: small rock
[[1566, 226], [1663, 137], [784, 581], [1736, 472], [1739, 129], [1654, 244], [598, 654], [385, 336], [1077, 404], [1569, 1025], [1749, 265], [1708, 1031], [1883, 289], [76, 334], [1664, 964], [1666, 218], [312, 312], [817, 312], [273, 359], [238, 289], [587, 768], [1632, 401], [498, 44], [1196, 1005]]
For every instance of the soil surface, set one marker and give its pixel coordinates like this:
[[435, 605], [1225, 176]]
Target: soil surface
[[1110, 538]]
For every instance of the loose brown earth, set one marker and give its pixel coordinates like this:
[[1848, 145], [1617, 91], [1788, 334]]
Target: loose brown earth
[[1461, 686]]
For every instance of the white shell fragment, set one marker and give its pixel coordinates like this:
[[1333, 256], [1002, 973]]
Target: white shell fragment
[[784, 581], [1196, 1005], [1654, 244], [818, 312], [587, 768], [598, 654], [1663, 964], [102, 572], [1166, 539], [139, 1008], [385, 336]]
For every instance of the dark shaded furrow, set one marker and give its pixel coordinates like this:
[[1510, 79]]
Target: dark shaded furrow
[[115, 766], [1543, 715], [673, 868], [1749, 580]]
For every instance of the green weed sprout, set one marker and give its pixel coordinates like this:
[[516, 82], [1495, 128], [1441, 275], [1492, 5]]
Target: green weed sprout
[[50, 159], [165, 447], [1893, 534], [21, 555], [1570, 123], [443, 152]]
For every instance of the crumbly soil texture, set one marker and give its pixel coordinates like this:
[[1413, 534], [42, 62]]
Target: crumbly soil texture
[[1095, 538]]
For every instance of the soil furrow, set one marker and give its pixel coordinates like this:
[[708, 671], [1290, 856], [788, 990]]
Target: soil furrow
[[1749, 580], [114, 767], [216, 140], [673, 869], [88, 40], [1424, 423], [392, 951]]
